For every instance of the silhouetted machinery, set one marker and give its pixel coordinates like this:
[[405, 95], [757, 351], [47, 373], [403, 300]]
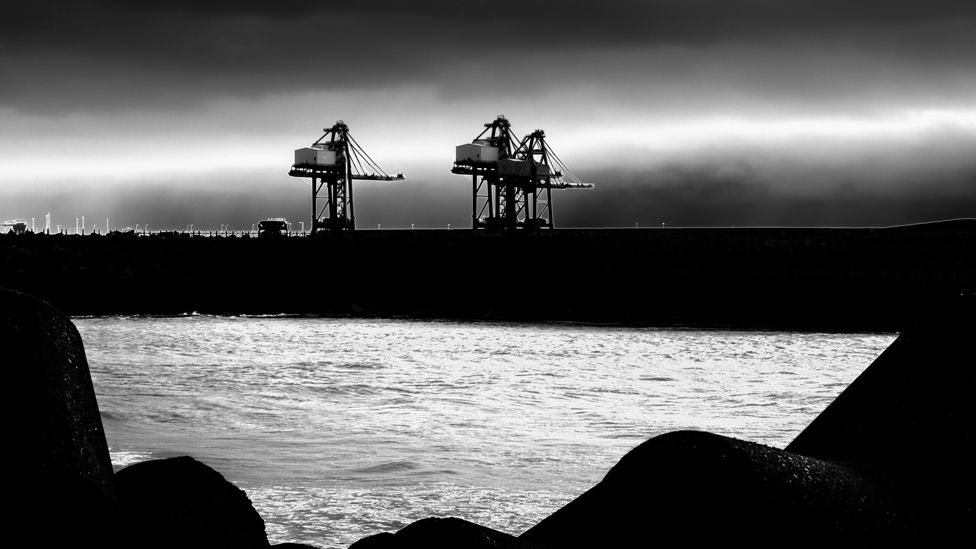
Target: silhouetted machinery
[[17, 226], [512, 183], [333, 162], [273, 228]]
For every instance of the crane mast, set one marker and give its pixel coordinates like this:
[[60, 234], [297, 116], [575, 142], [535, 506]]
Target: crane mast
[[332, 163]]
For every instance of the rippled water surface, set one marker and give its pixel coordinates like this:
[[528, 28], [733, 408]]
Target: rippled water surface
[[340, 428]]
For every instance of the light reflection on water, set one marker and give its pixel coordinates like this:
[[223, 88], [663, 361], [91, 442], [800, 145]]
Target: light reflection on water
[[340, 428]]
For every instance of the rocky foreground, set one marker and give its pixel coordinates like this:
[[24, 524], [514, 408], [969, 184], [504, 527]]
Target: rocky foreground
[[888, 463]]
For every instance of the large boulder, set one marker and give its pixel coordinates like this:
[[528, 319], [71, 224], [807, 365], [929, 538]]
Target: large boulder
[[180, 502], [889, 462], [907, 422], [699, 489], [443, 533], [59, 483]]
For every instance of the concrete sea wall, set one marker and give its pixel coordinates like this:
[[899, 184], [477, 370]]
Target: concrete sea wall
[[816, 279]]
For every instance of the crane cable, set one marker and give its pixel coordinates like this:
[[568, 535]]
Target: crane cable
[[372, 163], [356, 161], [570, 174]]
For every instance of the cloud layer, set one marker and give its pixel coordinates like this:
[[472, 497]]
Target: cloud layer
[[690, 112], [92, 54]]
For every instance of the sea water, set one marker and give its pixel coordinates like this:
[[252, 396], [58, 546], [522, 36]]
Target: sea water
[[341, 428]]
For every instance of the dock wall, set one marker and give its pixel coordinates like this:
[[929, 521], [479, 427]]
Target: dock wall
[[779, 278]]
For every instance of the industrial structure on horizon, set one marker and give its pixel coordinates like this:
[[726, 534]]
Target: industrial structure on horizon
[[511, 185], [507, 178], [511, 182], [332, 162], [15, 226]]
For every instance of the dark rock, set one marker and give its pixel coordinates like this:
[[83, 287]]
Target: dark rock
[[180, 502], [443, 533], [908, 421], [376, 541], [699, 489], [59, 481], [889, 462]]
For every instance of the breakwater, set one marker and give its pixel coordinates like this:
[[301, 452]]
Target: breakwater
[[785, 278]]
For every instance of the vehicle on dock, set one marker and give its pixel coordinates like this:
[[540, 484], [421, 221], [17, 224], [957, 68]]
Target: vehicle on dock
[[15, 226], [274, 227]]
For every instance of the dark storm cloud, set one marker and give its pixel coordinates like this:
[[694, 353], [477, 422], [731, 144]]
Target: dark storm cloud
[[113, 53], [647, 20], [715, 195]]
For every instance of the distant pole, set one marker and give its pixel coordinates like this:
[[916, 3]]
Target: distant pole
[[106, 225], [47, 223], [82, 224], [76, 225]]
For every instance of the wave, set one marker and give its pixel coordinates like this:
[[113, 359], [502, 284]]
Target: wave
[[389, 467]]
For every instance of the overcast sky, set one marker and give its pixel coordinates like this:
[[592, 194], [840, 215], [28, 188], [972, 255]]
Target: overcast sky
[[686, 112]]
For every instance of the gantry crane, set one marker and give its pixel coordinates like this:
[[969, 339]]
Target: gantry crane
[[507, 178], [333, 162]]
